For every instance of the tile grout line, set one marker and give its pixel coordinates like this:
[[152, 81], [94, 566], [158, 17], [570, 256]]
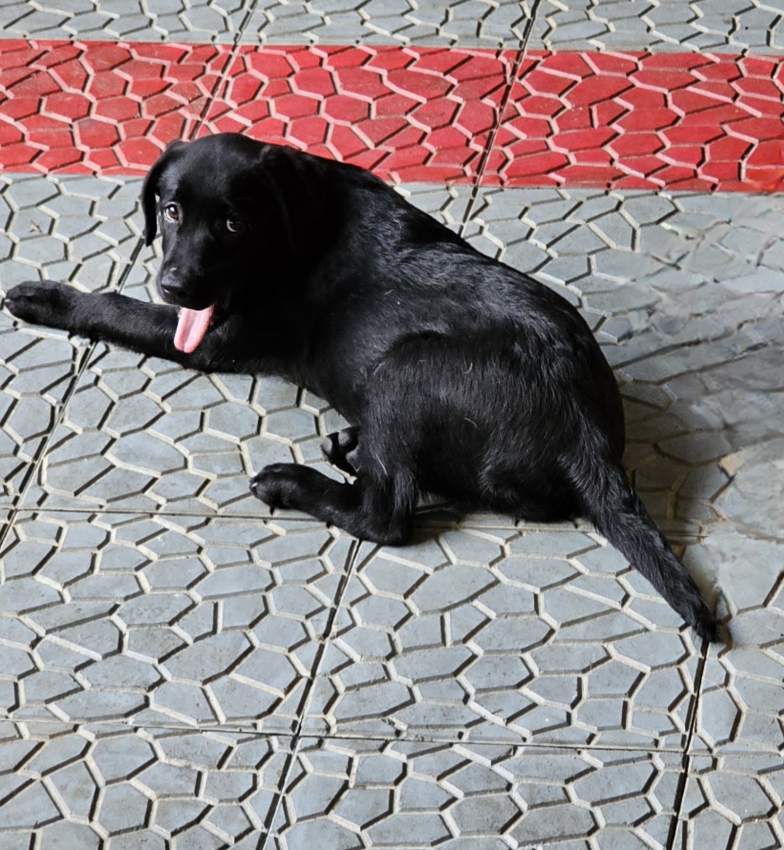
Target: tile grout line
[[280, 792], [678, 537], [683, 778], [228, 728], [520, 50]]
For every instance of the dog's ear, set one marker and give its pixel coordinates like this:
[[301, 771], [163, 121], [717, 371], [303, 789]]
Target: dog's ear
[[150, 189], [299, 187]]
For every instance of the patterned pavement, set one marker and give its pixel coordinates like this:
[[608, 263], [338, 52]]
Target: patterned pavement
[[184, 670]]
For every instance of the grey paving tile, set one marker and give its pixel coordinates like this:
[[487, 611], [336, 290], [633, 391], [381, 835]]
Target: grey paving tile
[[358, 793], [733, 803], [91, 787], [133, 619], [729, 25], [146, 20], [741, 705], [37, 367], [146, 434], [432, 22], [686, 294], [80, 229], [69, 228], [504, 636]]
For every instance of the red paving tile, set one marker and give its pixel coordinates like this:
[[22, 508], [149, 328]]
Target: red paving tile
[[100, 107], [407, 113], [642, 120], [628, 120]]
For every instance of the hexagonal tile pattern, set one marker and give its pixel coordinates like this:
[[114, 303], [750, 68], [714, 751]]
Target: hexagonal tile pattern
[[505, 636], [407, 113], [351, 793], [95, 107], [733, 802], [686, 294], [741, 705], [161, 20], [37, 368], [159, 789], [146, 434], [700, 25], [79, 229], [163, 621], [643, 120], [435, 22]]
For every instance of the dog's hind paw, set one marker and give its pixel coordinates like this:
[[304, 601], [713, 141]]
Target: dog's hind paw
[[278, 484], [340, 449]]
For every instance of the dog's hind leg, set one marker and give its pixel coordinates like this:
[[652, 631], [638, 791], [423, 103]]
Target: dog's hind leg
[[340, 449], [378, 506]]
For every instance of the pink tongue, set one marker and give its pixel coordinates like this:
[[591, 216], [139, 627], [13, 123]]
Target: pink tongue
[[192, 325]]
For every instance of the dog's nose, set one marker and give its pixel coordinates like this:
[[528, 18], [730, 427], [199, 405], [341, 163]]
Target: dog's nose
[[171, 284], [171, 289]]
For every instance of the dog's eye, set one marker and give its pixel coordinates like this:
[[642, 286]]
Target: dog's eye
[[233, 225], [171, 212]]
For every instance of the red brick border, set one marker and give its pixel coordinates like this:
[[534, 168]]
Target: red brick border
[[627, 120]]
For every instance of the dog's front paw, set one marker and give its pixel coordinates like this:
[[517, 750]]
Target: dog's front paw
[[43, 303], [277, 484]]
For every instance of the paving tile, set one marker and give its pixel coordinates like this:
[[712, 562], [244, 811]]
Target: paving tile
[[80, 229], [436, 22], [97, 786], [700, 25], [141, 620], [159, 20], [733, 802], [407, 113], [741, 705], [687, 121], [686, 295], [359, 793], [547, 637], [98, 107], [143, 433]]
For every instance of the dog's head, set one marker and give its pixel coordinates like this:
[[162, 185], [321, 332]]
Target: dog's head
[[227, 209]]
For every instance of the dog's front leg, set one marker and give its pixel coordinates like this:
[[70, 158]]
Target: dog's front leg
[[109, 316]]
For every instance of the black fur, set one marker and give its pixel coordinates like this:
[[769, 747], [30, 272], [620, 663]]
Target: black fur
[[462, 376]]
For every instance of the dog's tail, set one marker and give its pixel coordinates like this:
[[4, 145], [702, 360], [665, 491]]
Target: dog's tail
[[617, 512]]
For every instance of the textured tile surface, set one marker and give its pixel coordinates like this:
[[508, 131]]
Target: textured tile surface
[[80, 229], [407, 113], [170, 20], [643, 120], [465, 22], [741, 706], [686, 294], [700, 25], [547, 637], [733, 802], [364, 794], [135, 619], [96, 106], [98, 786]]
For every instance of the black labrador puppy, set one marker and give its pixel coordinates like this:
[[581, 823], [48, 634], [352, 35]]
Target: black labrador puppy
[[461, 376]]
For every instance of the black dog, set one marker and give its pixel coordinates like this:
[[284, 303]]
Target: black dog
[[462, 376]]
